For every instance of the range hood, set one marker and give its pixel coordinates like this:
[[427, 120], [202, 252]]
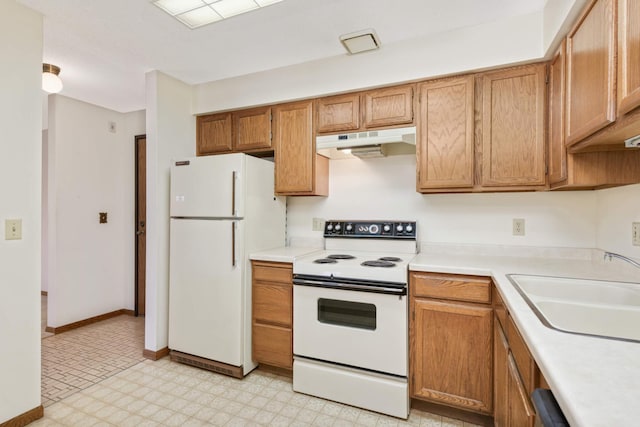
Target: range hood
[[375, 143]]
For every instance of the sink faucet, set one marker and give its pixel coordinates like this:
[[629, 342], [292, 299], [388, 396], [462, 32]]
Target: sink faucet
[[611, 255]]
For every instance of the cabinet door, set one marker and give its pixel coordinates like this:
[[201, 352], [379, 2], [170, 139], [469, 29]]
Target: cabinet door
[[388, 107], [500, 376], [338, 113], [272, 345], [446, 141], [252, 129], [452, 354], [296, 172], [520, 412], [213, 134], [513, 132], [628, 55], [557, 149], [591, 72]]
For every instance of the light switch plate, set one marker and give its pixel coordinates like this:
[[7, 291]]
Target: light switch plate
[[317, 224], [635, 233], [13, 229]]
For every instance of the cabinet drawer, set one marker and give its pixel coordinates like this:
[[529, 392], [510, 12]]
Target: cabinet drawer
[[272, 303], [455, 287], [272, 272], [273, 345], [523, 359]]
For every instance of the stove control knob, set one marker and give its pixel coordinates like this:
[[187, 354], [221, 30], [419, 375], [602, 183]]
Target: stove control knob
[[329, 227], [374, 229], [399, 228], [386, 228], [337, 227], [409, 228], [348, 227]]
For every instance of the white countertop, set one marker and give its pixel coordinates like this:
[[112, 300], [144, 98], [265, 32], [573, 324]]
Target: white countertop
[[282, 254], [595, 380]]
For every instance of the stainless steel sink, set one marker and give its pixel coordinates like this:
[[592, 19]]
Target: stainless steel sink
[[591, 307]]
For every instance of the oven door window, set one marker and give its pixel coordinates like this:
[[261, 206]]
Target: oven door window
[[347, 313]]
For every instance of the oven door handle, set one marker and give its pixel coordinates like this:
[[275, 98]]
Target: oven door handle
[[400, 290]]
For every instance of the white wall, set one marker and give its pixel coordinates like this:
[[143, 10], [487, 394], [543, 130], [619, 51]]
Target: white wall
[[385, 189], [489, 45], [617, 209], [20, 142], [170, 135], [90, 170]]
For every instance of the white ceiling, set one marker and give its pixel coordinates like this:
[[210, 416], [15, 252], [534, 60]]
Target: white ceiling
[[104, 48]]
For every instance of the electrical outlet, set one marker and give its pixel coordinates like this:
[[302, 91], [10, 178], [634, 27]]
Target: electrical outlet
[[13, 229], [635, 233], [518, 226], [317, 224]]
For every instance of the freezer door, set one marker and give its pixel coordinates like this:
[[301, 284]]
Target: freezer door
[[208, 186], [206, 290]]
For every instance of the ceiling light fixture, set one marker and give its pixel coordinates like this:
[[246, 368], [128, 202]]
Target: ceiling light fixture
[[50, 81], [360, 41], [196, 13]]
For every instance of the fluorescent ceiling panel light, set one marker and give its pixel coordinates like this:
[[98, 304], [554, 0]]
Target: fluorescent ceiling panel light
[[196, 13], [176, 7], [360, 41], [199, 17], [228, 8]]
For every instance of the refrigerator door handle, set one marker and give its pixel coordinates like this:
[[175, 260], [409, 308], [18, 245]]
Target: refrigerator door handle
[[234, 177], [233, 243]]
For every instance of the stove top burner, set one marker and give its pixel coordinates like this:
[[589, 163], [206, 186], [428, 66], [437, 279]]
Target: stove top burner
[[324, 261], [378, 263], [390, 258], [340, 256]]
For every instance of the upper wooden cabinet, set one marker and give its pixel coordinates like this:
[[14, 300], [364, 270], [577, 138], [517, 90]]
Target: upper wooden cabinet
[[445, 148], [379, 108], [298, 169], [338, 113], [628, 55], [557, 151], [591, 71], [513, 127], [252, 129], [213, 134], [388, 107]]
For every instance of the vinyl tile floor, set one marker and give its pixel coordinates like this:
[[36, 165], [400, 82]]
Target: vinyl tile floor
[[96, 376]]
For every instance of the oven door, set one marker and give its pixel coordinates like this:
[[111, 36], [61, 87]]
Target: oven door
[[355, 328]]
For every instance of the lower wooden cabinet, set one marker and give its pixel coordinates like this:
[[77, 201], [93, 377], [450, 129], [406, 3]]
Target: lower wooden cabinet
[[451, 343], [272, 314], [520, 412], [500, 376]]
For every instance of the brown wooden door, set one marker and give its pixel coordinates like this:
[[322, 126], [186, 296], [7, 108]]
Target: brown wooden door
[[628, 55], [446, 141], [452, 354], [388, 107], [500, 376], [141, 222], [252, 129], [557, 148], [338, 113], [213, 134], [591, 71], [513, 127]]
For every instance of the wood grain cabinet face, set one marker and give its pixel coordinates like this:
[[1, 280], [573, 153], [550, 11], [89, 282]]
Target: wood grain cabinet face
[[500, 376], [388, 107], [445, 148], [451, 342], [272, 313], [298, 169], [513, 127], [338, 113], [213, 134], [520, 412], [591, 71], [557, 149], [628, 55], [252, 129]]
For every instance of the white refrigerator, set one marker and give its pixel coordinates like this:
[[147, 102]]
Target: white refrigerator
[[222, 208]]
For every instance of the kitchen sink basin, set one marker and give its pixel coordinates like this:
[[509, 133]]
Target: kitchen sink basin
[[591, 307]]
